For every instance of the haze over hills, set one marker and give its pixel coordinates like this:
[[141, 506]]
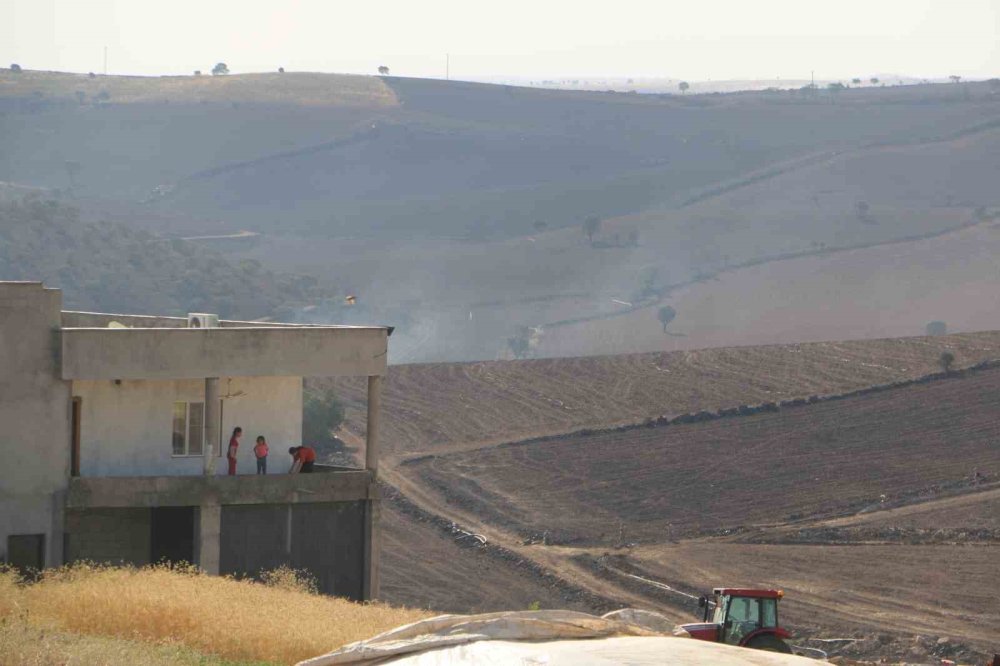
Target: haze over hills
[[454, 210]]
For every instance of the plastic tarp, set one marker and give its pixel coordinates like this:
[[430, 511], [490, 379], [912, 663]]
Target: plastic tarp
[[543, 637]]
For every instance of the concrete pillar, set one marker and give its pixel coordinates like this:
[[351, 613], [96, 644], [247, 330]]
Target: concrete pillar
[[373, 547], [374, 407], [213, 423], [373, 541], [209, 537]]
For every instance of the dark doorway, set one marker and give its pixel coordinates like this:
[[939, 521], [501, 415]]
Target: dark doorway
[[74, 455], [171, 534], [26, 553]]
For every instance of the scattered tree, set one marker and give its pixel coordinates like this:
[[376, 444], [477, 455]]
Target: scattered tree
[[383, 70], [856, 82], [197, 72], [936, 328], [322, 414], [281, 70], [591, 226], [873, 81], [684, 85], [220, 69], [666, 315], [520, 342], [103, 96], [14, 67], [91, 76], [955, 78], [540, 225], [947, 360], [836, 86]]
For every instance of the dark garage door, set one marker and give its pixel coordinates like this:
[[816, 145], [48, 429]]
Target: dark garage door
[[328, 540]]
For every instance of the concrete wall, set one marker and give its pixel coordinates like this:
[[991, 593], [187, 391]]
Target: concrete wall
[[34, 417], [191, 353], [76, 319], [126, 429]]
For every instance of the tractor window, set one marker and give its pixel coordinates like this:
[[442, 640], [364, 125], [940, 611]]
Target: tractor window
[[768, 612], [743, 618]]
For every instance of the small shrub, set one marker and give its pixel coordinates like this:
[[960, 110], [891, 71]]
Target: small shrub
[[937, 328], [14, 67], [947, 360]]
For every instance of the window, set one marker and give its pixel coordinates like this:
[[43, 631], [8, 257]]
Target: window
[[189, 428]]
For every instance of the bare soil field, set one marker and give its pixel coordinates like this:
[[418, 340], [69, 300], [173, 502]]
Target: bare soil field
[[977, 510], [876, 514], [889, 290], [435, 408], [882, 595], [426, 565], [731, 474]]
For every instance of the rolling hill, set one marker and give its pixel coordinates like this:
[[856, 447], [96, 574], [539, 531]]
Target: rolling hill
[[453, 210]]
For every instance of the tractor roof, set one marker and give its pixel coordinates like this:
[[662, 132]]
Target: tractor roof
[[747, 592]]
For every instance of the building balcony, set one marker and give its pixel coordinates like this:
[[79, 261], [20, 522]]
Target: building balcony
[[327, 484]]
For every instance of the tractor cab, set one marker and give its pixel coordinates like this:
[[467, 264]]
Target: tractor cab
[[737, 616]]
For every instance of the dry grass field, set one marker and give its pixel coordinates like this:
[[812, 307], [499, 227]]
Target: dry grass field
[[435, 408], [298, 88], [184, 612]]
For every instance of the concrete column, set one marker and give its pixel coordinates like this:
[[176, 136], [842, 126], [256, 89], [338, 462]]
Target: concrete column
[[374, 407], [209, 537], [213, 423], [373, 548]]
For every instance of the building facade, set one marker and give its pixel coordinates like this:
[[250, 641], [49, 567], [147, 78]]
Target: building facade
[[113, 431]]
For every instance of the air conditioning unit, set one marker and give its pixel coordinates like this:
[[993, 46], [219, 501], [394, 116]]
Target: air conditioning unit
[[203, 320]]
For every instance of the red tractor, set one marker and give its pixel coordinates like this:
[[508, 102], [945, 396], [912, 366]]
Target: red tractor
[[748, 618]]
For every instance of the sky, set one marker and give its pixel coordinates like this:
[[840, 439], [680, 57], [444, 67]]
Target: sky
[[530, 39]]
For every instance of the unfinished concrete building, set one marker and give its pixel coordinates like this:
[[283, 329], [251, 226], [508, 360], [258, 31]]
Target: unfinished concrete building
[[113, 432]]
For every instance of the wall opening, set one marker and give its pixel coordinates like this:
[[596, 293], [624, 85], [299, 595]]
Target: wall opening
[[26, 553], [171, 534]]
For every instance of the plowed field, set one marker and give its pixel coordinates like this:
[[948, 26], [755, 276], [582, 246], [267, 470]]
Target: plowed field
[[440, 407], [819, 460]]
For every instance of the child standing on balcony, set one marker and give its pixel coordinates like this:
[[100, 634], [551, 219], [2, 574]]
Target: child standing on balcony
[[234, 445], [260, 450]]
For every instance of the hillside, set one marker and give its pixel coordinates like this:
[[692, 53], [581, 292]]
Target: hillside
[[453, 210], [437, 408], [109, 267], [794, 464], [892, 483]]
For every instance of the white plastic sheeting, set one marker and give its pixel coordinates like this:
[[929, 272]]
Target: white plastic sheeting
[[553, 637]]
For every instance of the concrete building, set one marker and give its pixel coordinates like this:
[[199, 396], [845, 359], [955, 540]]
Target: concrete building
[[113, 431]]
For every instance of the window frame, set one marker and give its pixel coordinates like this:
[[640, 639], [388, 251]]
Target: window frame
[[187, 429]]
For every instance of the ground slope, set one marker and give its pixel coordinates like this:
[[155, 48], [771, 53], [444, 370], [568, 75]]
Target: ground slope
[[450, 406]]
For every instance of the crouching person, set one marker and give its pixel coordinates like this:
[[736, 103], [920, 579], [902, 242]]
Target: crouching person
[[303, 459]]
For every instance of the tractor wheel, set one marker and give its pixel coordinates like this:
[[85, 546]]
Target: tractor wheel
[[769, 642]]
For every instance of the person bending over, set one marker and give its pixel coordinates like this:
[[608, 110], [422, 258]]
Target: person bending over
[[303, 459]]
